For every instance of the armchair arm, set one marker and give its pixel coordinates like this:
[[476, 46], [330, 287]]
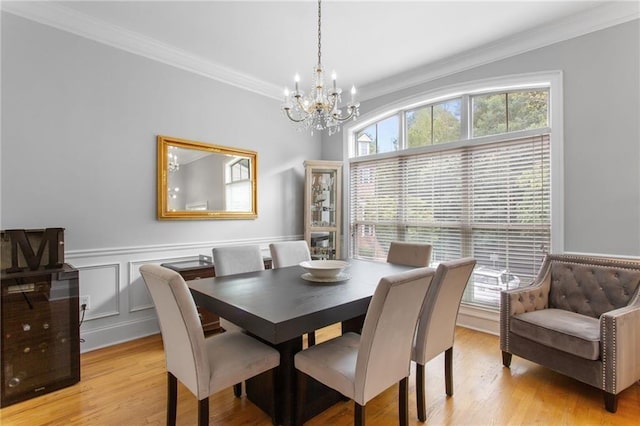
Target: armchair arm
[[620, 339], [518, 301]]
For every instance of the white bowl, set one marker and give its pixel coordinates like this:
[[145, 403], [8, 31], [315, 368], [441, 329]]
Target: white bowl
[[324, 268]]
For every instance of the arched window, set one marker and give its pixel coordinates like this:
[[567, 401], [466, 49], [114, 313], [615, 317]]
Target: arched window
[[468, 172]]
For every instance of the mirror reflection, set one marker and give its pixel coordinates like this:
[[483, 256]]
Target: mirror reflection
[[198, 180]]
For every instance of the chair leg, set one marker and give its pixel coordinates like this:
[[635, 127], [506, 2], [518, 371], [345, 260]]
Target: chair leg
[[611, 402], [237, 390], [172, 399], [311, 339], [302, 392], [420, 397], [203, 412], [358, 415], [403, 401], [448, 371], [506, 359]]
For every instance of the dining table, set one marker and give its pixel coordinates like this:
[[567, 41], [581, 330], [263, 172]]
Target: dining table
[[279, 306]]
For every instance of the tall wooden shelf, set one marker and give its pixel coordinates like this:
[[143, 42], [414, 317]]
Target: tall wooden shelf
[[323, 208]]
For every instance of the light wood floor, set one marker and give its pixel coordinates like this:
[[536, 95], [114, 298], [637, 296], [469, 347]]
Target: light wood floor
[[126, 385]]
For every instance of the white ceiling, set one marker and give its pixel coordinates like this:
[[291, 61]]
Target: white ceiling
[[363, 41]]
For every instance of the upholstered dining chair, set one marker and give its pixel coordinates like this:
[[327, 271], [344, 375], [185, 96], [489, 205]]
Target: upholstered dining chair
[[289, 253], [362, 366], [204, 365], [233, 260], [437, 323], [411, 254]]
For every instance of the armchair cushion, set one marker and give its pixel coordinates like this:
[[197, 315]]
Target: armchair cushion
[[567, 331], [591, 290]]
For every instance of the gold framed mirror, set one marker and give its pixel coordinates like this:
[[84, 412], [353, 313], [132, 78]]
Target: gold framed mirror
[[197, 180]]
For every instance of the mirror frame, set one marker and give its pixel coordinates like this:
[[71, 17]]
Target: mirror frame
[[162, 199]]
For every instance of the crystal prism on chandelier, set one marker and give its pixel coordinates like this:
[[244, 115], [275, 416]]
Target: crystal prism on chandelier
[[319, 110]]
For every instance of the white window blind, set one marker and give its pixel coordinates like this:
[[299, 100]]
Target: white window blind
[[489, 201]]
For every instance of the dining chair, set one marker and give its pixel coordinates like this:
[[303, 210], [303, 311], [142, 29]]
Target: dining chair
[[362, 366], [437, 323], [231, 260], [204, 365], [411, 254], [289, 253]]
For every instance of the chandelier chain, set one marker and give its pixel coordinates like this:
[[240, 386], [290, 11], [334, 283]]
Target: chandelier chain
[[319, 34]]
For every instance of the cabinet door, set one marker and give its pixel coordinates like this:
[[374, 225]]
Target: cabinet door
[[323, 205]]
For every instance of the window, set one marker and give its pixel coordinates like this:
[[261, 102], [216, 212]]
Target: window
[[380, 137], [487, 197], [238, 185], [434, 124]]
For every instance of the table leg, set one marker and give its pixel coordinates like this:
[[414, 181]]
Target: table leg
[[260, 388], [353, 324]]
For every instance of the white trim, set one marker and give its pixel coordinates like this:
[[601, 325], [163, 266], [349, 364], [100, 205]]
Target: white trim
[[57, 16], [598, 18], [124, 331], [116, 290], [60, 17], [118, 251]]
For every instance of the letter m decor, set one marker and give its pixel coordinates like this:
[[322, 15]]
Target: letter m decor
[[18, 245]]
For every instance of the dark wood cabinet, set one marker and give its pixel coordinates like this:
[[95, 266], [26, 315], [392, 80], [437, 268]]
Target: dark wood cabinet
[[203, 268], [40, 343]]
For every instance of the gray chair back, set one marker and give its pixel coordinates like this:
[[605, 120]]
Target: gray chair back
[[411, 254], [437, 323], [233, 260], [289, 253]]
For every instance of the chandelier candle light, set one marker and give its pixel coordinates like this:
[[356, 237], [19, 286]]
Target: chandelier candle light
[[319, 109]]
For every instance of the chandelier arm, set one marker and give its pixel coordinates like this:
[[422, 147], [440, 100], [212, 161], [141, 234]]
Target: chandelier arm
[[301, 105], [296, 120], [352, 111]]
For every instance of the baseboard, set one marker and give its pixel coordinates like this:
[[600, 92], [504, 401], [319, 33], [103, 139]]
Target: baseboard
[[479, 319], [121, 332]]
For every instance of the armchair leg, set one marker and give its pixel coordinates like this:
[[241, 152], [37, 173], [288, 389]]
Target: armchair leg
[[172, 399], [420, 397], [506, 359], [403, 401], [611, 402], [358, 415], [237, 390], [448, 374], [203, 412]]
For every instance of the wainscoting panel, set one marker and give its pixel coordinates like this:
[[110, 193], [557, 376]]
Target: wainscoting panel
[[102, 284]]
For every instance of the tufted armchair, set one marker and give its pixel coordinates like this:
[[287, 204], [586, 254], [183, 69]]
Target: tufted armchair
[[581, 318]]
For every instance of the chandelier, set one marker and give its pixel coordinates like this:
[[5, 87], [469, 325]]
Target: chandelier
[[318, 110], [174, 166]]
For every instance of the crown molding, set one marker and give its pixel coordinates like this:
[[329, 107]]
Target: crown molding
[[595, 19], [60, 17]]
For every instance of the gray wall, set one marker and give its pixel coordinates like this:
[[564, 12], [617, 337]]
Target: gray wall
[[601, 132], [79, 122]]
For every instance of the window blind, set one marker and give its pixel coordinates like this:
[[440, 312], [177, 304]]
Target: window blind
[[489, 201]]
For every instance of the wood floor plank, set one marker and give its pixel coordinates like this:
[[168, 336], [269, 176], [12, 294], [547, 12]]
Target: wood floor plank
[[126, 385]]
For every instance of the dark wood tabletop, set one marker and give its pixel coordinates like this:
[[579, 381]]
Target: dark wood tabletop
[[278, 305]]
